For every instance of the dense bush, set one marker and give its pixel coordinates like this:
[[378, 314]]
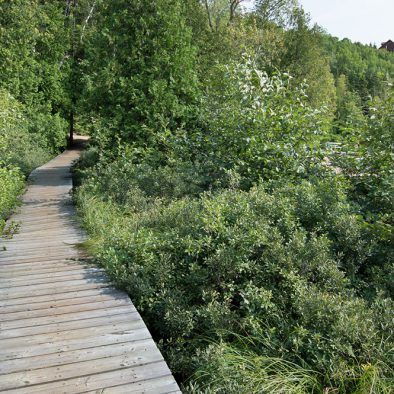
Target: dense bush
[[249, 125], [367, 162], [12, 183], [260, 126], [368, 156], [242, 260], [32, 53], [18, 147]]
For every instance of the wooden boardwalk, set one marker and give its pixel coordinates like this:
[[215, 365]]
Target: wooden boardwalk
[[63, 327]]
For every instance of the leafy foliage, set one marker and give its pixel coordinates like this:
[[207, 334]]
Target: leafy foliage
[[261, 261], [367, 70], [34, 96], [243, 260], [144, 82], [367, 161], [17, 148], [262, 127], [12, 184], [32, 52]]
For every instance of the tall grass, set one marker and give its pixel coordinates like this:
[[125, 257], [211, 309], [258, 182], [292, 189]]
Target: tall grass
[[239, 370], [242, 367]]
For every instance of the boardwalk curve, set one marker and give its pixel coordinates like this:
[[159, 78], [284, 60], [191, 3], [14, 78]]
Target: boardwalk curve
[[63, 327]]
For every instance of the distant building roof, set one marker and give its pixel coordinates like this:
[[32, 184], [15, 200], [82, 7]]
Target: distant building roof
[[389, 45]]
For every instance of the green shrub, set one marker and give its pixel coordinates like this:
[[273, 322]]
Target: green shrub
[[242, 261], [46, 130], [368, 158], [258, 125], [18, 147], [11, 185]]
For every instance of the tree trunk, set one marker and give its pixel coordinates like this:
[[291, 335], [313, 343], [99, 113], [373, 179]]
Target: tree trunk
[[209, 14], [233, 6]]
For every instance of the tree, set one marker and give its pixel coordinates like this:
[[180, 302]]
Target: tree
[[78, 15], [140, 69], [366, 69], [277, 11], [349, 113], [221, 12], [32, 64], [305, 60]]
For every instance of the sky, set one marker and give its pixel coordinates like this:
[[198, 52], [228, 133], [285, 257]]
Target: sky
[[365, 21]]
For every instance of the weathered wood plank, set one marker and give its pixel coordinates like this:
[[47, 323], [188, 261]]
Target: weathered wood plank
[[91, 353], [41, 290], [50, 275], [35, 228], [65, 295], [98, 381], [105, 363], [91, 297], [36, 251], [43, 262], [92, 306], [61, 253], [75, 342], [56, 236], [48, 333], [66, 317], [52, 280], [162, 385]]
